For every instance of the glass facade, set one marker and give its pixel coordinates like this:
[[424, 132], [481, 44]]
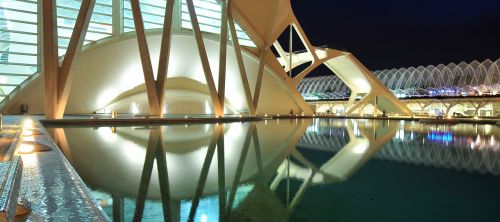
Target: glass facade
[[464, 79], [209, 16], [19, 30], [18, 45], [101, 25], [153, 12]]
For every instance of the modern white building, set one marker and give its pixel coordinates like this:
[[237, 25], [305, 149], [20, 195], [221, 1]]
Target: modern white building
[[47, 70]]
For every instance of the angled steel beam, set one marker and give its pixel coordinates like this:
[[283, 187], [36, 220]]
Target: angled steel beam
[[75, 45], [241, 65], [263, 55], [258, 155], [223, 55], [204, 171], [147, 68], [117, 11], [221, 174], [147, 169], [260, 75], [290, 51], [161, 165], [118, 208], [164, 53], [204, 59], [239, 168], [50, 57]]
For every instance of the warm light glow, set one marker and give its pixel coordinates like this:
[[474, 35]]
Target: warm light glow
[[28, 123], [360, 149], [476, 117], [26, 148], [208, 108], [27, 133], [29, 160], [107, 134], [29, 139], [106, 96], [134, 153], [133, 108]]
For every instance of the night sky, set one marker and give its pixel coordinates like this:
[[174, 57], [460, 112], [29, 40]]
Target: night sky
[[387, 34]]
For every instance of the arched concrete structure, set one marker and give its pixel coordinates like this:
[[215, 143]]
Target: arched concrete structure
[[265, 24], [249, 78], [105, 71]]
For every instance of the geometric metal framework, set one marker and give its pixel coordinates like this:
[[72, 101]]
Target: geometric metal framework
[[263, 22], [20, 31], [266, 23], [464, 79]]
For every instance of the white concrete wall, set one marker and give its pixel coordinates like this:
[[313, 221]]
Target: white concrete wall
[[104, 71]]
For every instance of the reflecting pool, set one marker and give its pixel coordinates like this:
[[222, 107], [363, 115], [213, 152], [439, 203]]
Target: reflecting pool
[[290, 170]]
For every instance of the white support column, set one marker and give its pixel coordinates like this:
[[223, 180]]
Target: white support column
[[204, 59]]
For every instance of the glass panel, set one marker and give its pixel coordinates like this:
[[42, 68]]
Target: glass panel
[[6, 90], [18, 40], [208, 13], [16, 69], [152, 14], [24, 6], [100, 23], [12, 79]]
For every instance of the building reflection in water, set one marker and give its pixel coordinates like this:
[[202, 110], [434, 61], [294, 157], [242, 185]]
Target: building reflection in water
[[232, 172], [468, 147]]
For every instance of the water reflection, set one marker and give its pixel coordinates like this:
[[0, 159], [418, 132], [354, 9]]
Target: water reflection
[[469, 147], [180, 166], [250, 171]]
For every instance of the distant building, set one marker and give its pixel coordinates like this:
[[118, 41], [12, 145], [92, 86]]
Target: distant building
[[468, 88]]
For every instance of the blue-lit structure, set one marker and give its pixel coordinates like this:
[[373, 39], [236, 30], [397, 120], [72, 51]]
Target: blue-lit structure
[[464, 79]]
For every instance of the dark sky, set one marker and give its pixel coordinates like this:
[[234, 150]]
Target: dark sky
[[402, 33]]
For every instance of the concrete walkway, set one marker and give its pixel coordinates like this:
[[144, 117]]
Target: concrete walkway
[[49, 183]]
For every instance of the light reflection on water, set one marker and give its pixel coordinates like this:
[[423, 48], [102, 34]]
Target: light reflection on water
[[256, 171]]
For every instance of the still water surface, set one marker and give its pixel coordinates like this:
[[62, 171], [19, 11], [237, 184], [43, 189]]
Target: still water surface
[[291, 170]]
